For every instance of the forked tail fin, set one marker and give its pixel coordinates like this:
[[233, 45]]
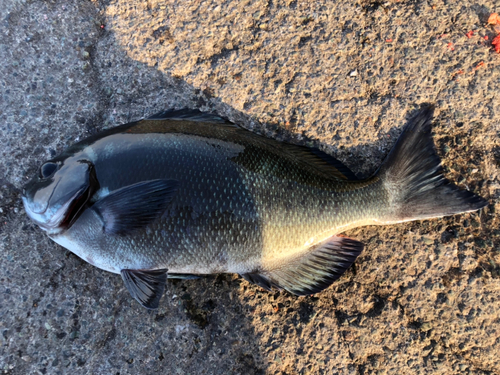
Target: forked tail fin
[[413, 177]]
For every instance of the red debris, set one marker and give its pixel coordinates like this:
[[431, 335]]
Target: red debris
[[388, 40], [486, 37], [470, 34], [455, 74], [496, 43], [494, 19], [451, 47]]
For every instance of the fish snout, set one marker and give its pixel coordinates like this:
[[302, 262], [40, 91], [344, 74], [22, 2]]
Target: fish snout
[[32, 206]]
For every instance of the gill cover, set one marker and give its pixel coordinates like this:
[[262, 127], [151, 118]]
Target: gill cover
[[54, 198]]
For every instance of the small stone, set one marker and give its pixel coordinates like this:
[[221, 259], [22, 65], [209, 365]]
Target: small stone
[[428, 240], [426, 327], [354, 73]]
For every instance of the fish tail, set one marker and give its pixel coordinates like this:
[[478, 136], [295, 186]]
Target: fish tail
[[413, 177]]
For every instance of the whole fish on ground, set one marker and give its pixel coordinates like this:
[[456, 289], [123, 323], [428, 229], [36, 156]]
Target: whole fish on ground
[[186, 193]]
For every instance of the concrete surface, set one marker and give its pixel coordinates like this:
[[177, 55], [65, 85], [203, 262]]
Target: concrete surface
[[342, 75]]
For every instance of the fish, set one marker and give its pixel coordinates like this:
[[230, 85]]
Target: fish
[[184, 194]]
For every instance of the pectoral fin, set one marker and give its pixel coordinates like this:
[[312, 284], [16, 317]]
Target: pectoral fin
[[314, 271], [145, 286], [135, 206]]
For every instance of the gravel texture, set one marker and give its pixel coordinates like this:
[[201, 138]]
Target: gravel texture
[[341, 75]]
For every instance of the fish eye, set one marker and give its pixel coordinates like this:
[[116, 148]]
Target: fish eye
[[47, 169]]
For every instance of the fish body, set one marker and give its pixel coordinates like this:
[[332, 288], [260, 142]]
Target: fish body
[[185, 193]]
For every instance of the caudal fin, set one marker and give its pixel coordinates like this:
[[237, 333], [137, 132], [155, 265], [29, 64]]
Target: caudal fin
[[413, 177]]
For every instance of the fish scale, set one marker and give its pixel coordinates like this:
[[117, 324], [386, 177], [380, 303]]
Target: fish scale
[[185, 193]]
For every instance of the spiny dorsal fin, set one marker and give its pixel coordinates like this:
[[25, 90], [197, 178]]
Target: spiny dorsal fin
[[188, 114], [313, 272]]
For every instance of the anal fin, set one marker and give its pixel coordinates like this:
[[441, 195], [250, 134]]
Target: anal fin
[[258, 279], [314, 271]]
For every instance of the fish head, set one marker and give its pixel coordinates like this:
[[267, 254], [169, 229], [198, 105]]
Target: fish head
[[58, 193]]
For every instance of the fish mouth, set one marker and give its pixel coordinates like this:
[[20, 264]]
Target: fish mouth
[[69, 212], [78, 202], [75, 207], [65, 216]]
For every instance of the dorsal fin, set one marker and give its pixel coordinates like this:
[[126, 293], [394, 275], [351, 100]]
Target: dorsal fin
[[283, 155], [320, 160], [188, 114], [343, 169], [313, 157]]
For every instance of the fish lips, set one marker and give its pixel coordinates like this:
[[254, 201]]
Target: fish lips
[[65, 200], [55, 219]]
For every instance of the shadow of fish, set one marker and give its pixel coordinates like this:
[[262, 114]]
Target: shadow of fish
[[185, 193]]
